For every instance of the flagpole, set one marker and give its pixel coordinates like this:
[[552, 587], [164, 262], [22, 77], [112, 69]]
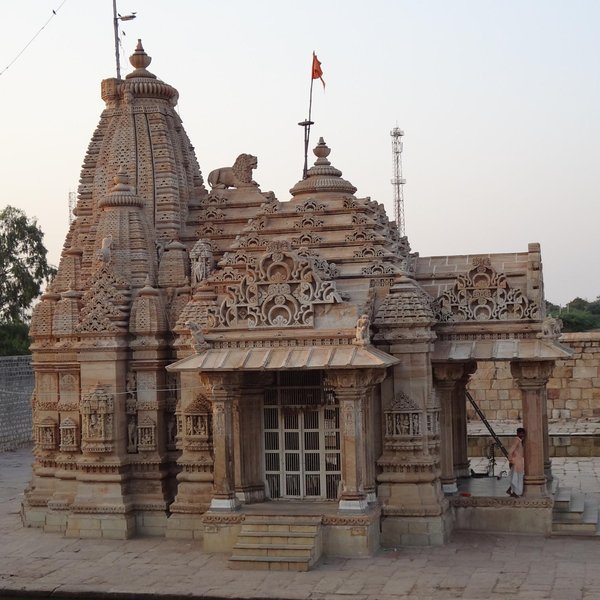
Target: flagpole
[[306, 124]]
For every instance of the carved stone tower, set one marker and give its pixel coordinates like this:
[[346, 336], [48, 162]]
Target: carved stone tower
[[101, 340]]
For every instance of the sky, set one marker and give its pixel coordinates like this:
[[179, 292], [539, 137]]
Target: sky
[[499, 101]]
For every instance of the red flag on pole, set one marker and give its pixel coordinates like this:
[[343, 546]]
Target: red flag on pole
[[317, 72]]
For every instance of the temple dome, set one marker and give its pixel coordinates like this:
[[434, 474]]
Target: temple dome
[[323, 177]]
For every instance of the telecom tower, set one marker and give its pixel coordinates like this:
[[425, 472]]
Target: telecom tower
[[397, 180], [72, 204]]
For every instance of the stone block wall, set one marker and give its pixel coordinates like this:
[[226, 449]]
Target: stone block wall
[[16, 386], [573, 389]]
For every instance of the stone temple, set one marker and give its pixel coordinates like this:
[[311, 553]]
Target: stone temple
[[280, 379]]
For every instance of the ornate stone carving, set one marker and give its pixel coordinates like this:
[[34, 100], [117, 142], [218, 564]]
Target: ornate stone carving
[[196, 425], [483, 294], [379, 268], [280, 292], [240, 175], [104, 253], [308, 223], [307, 238], [131, 393], [146, 435], [97, 408], [551, 329], [369, 252], [45, 434], [105, 304], [69, 438], [310, 205], [202, 263], [209, 229], [363, 331], [360, 235], [199, 342], [132, 433]]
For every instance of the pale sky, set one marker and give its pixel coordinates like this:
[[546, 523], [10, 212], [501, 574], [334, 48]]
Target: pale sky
[[499, 101]]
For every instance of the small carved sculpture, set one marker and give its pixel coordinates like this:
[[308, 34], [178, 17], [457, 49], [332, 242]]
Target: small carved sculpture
[[240, 175], [199, 342], [551, 328], [104, 252], [202, 260], [363, 333], [131, 434], [160, 248]]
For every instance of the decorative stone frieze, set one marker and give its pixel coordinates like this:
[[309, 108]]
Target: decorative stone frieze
[[483, 294]]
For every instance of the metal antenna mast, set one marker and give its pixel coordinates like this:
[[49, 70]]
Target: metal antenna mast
[[397, 181], [116, 18]]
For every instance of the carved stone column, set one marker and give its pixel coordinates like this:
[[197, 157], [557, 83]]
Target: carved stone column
[[546, 438], [249, 461], [459, 423], [224, 392], [446, 376], [353, 390], [532, 378]]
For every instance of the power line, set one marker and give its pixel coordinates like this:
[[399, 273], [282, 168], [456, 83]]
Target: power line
[[14, 60]]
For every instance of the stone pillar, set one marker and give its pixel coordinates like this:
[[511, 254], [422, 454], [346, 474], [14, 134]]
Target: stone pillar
[[532, 378], [446, 377], [224, 392], [546, 438], [459, 424], [249, 460], [353, 390]]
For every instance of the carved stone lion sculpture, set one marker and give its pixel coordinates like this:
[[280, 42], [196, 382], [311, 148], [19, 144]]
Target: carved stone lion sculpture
[[240, 175]]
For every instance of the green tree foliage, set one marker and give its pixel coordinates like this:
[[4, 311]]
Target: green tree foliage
[[24, 269], [14, 339], [23, 265], [577, 315]]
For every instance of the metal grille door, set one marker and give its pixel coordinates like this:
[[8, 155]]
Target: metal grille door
[[301, 438]]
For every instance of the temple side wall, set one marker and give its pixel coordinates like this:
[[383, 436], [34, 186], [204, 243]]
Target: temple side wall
[[16, 385], [573, 388]]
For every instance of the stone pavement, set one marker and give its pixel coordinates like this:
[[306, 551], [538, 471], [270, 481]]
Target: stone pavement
[[471, 566]]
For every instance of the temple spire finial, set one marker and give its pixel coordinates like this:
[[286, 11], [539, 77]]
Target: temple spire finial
[[140, 61]]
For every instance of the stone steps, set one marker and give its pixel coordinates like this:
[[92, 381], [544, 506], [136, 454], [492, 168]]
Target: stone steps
[[278, 543], [574, 514]]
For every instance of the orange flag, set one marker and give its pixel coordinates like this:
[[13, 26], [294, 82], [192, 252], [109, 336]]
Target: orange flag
[[317, 72]]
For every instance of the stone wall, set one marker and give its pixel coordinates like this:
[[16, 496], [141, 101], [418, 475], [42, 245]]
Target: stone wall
[[573, 389], [16, 385]]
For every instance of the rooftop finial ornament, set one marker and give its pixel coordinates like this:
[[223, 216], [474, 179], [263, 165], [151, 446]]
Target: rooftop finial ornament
[[140, 60]]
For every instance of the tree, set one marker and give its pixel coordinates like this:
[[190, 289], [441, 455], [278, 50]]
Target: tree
[[578, 315], [23, 265], [14, 339]]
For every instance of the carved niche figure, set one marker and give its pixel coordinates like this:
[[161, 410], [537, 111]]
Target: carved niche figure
[[132, 438], [199, 342], [551, 328], [104, 252], [240, 175], [363, 333], [201, 257], [97, 409]]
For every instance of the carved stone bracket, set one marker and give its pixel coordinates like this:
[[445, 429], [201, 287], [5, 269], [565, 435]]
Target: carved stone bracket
[[531, 374]]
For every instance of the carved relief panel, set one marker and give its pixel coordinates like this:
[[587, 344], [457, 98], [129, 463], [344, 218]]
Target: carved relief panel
[[97, 408], [45, 434], [69, 435], [403, 424], [195, 425]]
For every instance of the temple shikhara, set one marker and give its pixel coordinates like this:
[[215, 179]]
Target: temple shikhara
[[279, 378]]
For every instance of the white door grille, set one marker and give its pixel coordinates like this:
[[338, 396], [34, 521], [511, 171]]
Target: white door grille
[[301, 422]]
